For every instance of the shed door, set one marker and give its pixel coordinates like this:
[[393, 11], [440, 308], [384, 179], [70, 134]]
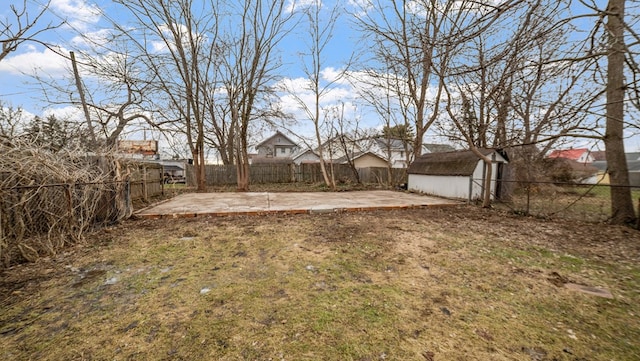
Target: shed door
[[499, 175]]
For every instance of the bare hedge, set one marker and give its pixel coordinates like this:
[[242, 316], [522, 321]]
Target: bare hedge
[[49, 200]]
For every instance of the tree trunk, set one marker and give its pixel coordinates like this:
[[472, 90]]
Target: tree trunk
[[242, 167], [243, 176], [621, 203], [486, 189], [202, 176]]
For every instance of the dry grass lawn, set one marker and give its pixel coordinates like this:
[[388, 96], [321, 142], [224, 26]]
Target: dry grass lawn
[[450, 284]]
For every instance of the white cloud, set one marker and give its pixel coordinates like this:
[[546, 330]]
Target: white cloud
[[334, 75], [293, 5], [360, 7], [341, 94], [421, 7], [34, 61], [78, 13], [87, 39], [68, 113], [167, 37]]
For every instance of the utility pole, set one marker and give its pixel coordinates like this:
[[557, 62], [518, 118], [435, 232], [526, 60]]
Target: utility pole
[[85, 108]]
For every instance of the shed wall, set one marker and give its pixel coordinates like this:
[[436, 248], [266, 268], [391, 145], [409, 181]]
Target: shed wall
[[478, 179], [443, 186]]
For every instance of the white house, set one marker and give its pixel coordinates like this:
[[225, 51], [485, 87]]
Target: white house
[[395, 150], [391, 149], [458, 174]]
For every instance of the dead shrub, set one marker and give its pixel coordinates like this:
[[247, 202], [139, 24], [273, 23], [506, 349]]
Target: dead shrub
[[49, 200]]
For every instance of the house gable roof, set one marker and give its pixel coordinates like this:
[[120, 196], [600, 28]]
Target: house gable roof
[[277, 134], [304, 152], [458, 163], [343, 160], [573, 154]]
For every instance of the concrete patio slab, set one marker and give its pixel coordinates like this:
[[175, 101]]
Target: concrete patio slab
[[223, 204]]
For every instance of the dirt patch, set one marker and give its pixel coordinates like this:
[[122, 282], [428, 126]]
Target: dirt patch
[[432, 284]]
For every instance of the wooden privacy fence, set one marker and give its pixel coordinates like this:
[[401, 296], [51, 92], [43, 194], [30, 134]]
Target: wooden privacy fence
[[145, 180], [292, 173]]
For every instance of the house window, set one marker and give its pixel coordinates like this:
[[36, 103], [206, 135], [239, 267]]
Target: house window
[[283, 150], [401, 154]]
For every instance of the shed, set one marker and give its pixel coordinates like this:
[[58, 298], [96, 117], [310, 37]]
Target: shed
[[457, 174]]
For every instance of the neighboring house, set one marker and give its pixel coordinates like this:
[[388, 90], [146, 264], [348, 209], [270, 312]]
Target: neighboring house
[[458, 174], [631, 156], [633, 166], [364, 160], [368, 151], [338, 147], [393, 150], [305, 156], [276, 146], [602, 177], [437, 148], [634, 172], [580, 155]]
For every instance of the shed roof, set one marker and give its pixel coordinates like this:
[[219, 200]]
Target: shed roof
[[458, 163]]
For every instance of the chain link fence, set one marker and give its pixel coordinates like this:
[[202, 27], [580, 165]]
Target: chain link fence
[[583, 202], [48, 201]]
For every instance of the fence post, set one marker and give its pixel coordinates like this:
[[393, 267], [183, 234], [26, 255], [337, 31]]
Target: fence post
[[145, 194], [2, 244], [528, 197], [162, 180], [69, 203], [638, 218], [127, 195]]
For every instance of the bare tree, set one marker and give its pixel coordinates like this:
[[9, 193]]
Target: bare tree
[[379, 92], [117, 96], [347, 139], [321, 23], [12, 123], [178, 44], [23, 26], [512, 96], [248, 69], [411, 38]]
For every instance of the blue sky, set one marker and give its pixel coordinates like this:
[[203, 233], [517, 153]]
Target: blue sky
[[19, 87]]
